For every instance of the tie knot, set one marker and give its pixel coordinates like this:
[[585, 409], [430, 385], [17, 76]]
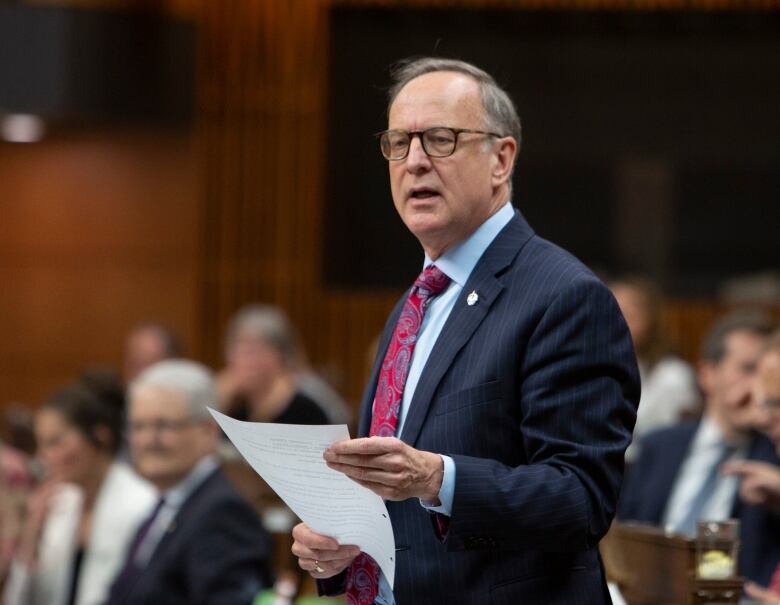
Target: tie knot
[[431, 281]]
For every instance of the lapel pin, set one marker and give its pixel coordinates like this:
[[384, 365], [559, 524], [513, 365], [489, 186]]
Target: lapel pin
[[472, 298]]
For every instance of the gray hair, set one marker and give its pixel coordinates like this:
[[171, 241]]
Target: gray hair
[[269, 324], [500, 113], [192, 380]]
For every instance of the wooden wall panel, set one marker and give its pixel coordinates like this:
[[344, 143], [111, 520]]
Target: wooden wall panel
[[97, 232], [263, 114]]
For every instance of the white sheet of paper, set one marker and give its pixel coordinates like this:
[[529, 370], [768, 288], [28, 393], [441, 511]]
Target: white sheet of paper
[[289, 458]]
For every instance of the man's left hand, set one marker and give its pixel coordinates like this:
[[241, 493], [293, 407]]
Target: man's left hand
[[760, 482], [388, 467]]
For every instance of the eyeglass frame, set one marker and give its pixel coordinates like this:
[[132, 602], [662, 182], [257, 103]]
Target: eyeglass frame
[[163, 425], [420, 133], [771, 404]]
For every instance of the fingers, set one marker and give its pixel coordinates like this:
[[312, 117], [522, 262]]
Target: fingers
[[736, 467], [397, 473], [370, 475], [321, 569], [386, 492], [325, 556], [321, 556], [387, 462], [762, 595], [366, 446], [746, 467], [309, 538]]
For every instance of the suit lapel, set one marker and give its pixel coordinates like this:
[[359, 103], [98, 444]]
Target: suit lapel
[[464, 319], [181, 517]]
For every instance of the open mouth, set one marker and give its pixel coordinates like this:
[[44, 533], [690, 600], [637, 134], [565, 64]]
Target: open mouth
[[422, 193]]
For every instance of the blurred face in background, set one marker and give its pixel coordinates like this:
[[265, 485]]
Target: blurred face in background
[[633, 305], [728, 383], [66, 452], [143, 348], [165, 439], [253, 364], [766, 394]]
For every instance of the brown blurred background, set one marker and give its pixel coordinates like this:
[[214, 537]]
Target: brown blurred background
[[108, 222]]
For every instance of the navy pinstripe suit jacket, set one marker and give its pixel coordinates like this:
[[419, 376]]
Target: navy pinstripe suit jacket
[[533, 392]]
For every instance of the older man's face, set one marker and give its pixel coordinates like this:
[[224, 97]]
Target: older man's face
[[443, 200], [166, 442]]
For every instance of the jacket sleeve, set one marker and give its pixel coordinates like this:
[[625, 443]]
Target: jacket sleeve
[[332, 586], [578, 394]]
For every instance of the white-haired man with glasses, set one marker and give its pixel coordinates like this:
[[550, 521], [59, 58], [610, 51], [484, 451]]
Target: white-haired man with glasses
[[505, 389], [203, 543]]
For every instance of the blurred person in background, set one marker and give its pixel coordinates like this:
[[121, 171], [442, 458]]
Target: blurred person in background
[[203, 543], [669, 389], [677, 479], [80, 520], [146, 344], [260, 381], [760, 481], [16, 481]]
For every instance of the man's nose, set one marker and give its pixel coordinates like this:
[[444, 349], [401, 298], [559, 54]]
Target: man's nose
[[417, 159]]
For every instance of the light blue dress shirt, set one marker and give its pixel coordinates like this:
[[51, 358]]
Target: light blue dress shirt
[[457, 263]]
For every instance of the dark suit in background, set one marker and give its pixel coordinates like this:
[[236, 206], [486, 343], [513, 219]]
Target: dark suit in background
[[214, 553], [651, 479]]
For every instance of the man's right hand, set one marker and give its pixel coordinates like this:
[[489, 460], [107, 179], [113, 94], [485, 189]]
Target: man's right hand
[[759, 482], [320, 555]]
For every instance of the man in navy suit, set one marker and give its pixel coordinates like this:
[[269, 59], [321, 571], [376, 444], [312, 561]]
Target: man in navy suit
[[679, 476], [204, 543], [760, 481], [505, 378]]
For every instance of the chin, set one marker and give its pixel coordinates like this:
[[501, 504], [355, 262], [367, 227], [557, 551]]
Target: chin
[[425, 226]]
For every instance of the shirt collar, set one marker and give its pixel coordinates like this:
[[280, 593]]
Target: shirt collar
[[710, 436], [176, 496], [459, 261]]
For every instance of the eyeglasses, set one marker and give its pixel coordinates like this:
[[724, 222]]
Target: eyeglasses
[[438, 142], [772, 404], [163, 425]]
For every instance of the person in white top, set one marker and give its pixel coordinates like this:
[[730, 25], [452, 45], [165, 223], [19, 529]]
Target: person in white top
[[669, 391], [82, 517]]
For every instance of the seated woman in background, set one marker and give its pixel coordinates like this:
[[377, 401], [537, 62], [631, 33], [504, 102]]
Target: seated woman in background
[[669, 389], [81, 519], [260, 381], [16, 481]]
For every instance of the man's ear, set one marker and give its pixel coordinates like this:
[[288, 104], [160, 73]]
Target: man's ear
[[705, 374], [504, 159]]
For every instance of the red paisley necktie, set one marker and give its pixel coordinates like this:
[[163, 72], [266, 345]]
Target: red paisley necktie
[[363, 574]]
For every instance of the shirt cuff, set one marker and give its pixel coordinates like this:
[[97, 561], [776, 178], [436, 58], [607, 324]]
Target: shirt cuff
[[446, 491]]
